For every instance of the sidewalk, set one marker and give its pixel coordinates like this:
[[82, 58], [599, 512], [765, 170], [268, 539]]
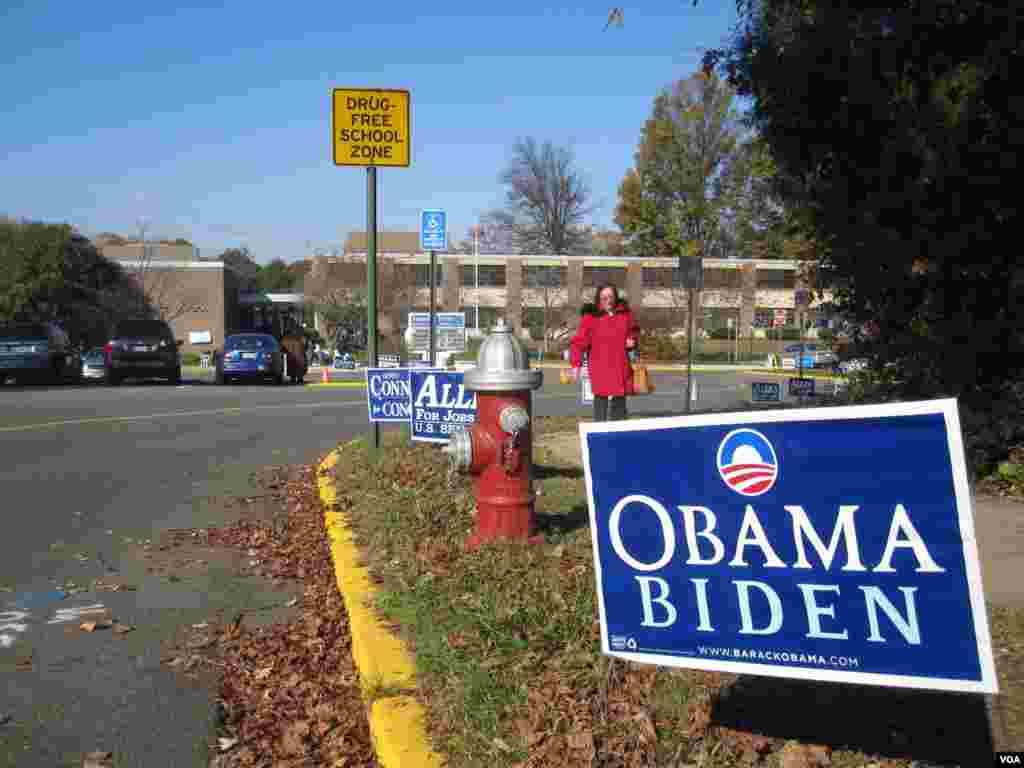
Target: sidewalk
[[999, 526]]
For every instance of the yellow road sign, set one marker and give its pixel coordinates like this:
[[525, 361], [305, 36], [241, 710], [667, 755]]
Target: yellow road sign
[[370, 126]]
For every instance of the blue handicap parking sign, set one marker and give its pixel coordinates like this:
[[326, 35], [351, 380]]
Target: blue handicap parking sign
[[830, 544], [433, 230]]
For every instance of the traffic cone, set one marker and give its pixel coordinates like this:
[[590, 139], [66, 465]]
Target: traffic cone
[[324, 377]]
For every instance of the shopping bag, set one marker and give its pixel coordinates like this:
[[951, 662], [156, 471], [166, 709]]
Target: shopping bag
[[642, 383]]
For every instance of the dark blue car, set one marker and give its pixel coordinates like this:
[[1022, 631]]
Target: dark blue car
[[250, 356], [35, 352]]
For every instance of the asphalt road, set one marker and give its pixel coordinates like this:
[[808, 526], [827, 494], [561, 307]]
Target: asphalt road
[[82, 470]]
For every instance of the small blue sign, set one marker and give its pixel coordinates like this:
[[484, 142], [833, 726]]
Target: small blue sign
[[830, 544], [801, 387], [433, 230], [440, 404], [388, 394], [766, 391]]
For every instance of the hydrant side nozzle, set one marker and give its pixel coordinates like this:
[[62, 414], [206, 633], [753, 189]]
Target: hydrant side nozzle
[[513, 419], [460, 450]]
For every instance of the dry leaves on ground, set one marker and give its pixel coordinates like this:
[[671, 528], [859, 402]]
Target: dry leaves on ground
[[291, 692]]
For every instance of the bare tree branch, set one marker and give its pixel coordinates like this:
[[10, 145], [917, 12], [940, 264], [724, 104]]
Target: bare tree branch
[[547, 199]]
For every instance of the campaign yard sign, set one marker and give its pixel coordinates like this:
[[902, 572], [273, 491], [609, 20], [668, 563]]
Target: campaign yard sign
[[766, 391], [388, 394], [826, 544], [440, 404], [801, 387]]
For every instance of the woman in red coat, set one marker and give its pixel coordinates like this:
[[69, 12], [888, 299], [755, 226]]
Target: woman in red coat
[[607, 332]]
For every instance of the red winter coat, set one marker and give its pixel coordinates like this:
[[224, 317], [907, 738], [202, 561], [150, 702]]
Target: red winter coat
[[603, 336]]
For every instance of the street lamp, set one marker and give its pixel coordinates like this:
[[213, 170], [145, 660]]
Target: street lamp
[[476, 273]]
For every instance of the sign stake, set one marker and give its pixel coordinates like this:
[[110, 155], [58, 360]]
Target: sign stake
[[371, 280], [433, 308], [689, 353]]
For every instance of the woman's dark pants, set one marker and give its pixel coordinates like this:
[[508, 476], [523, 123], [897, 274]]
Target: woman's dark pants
[[609, 408]]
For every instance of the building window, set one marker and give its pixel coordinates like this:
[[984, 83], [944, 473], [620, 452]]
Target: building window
[[488, 317], [724, 279], [544, 277], [491, 276], [660, 277], [423, 275], [765, 318], [776, 278], [595, 276]]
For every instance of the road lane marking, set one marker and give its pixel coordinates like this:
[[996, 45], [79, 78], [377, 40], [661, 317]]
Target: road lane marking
[[175, 414]]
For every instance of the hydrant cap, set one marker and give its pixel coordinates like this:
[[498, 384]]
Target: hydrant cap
[[502, 365]]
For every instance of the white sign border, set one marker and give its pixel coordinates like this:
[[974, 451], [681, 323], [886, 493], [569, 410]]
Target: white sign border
[[412, 408], [369, 409], [965, 512]]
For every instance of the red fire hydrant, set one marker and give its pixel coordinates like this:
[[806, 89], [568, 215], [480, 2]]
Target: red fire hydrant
[[498, 448]]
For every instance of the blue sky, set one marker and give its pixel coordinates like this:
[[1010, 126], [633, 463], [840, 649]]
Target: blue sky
[[212, 121]]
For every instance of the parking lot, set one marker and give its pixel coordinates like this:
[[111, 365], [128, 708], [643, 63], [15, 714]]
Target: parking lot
[[85, 467]]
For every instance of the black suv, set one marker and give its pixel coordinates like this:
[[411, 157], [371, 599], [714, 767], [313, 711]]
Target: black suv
[[143, 349]]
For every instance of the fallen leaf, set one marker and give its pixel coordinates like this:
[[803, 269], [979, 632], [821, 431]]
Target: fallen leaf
[[795, 755], [203, 625], [89, 626], [263, 674], [294, 601], [123, 629], [581, 740], [502, 745], [97, 759], [224, 744]]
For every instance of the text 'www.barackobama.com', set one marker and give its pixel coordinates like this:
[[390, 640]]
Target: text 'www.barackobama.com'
[[845, 662]]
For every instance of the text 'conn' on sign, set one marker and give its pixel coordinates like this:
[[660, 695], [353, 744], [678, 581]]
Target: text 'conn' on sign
[[828, 544], [371, 127]]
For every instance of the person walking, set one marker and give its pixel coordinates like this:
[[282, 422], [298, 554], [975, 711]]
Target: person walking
[[608, 332]]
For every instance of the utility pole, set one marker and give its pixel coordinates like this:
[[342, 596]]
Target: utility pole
[[476, 273], [371, 279]]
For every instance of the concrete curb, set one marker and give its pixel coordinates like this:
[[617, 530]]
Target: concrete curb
[[397, 720]]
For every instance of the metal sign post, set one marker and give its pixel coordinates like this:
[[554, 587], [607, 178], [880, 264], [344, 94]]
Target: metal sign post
[[433, 238], [371, 127], [433, 309], [371, 281], [691, 270]]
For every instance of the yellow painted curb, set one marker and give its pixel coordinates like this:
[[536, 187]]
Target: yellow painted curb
[[397, 723], [793, 374], [398, 728]]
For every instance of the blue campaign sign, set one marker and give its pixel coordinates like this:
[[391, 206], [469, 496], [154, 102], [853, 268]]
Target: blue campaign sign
[[433, 230], [388, 394], [766, 391], [440, 405], [803, 387], [826, 544]]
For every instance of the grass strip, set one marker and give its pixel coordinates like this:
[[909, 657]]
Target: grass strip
[[506, 645]]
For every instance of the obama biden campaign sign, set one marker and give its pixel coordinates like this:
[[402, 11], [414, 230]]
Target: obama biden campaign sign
[[826, 544]]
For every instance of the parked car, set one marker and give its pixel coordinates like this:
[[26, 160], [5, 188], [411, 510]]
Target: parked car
[[853, 364], [35, 352], [814, 355], [94, 365], [143, 349], [251, 356], [345, 361]]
